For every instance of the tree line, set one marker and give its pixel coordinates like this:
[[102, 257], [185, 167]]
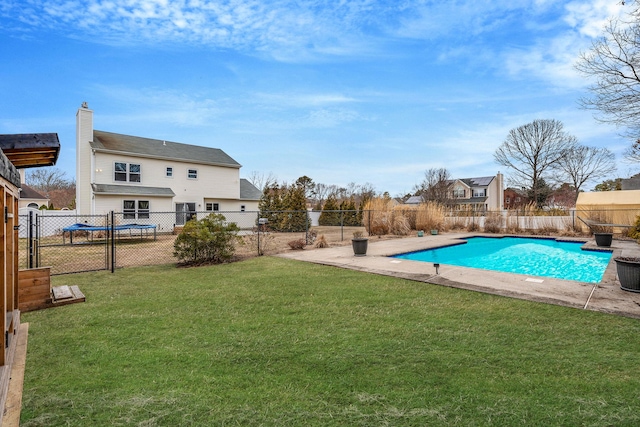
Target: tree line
[[285, 206]]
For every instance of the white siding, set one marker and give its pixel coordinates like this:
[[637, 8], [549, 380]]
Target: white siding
[[232, 204], [104, 204], [84, 134], [212, 181]]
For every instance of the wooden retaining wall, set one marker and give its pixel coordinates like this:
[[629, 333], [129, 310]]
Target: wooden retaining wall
[[34, 289]]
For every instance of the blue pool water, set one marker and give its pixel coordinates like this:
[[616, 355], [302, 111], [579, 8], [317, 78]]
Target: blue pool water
[[536, 257]]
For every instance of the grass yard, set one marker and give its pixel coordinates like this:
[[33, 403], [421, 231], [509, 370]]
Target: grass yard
[[275, 342]]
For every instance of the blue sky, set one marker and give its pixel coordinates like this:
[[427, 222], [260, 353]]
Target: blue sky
[[357, 91]]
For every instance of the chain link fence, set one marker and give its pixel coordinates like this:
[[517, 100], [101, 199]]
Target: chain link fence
[[70, 243]]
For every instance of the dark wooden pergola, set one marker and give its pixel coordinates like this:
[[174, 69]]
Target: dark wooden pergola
[[31, 150]]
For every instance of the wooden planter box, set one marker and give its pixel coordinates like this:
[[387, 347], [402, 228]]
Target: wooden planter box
[[35, 292], [34, 289]]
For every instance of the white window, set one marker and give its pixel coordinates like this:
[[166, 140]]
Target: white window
[[242, 209], [458, 193], [132, 209], [192, 174], [169, 172], [215, 207], [120, 172], [143, 209], [129, 209], [480, 193], [134, 172], [126, 172]]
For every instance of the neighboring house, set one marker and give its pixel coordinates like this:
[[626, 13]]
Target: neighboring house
[[414, 200], [136, 176], [478, 194], [30, 198], [23, 151], [514, 199], [472, 194]]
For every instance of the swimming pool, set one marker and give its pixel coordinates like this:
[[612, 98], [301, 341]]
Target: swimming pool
[[536, 257]]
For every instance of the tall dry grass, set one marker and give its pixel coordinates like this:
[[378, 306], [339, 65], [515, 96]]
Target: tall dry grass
[[430, 216], [493, 222], [380, 218]]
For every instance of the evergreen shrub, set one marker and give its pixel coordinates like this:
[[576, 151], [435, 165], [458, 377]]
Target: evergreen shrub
[[209, 240]]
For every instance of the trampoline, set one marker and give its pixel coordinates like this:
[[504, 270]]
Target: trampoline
[[144, 228]]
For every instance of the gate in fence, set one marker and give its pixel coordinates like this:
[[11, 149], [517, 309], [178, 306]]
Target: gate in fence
[[66, 243], [71, 243]]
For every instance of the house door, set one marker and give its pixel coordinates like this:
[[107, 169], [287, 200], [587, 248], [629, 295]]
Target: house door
[[185, 212]]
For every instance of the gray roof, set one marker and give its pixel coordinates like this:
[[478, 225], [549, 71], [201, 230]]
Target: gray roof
[[27, 192], [155, 148], [414, 200], [132, 190], [248, 191], [471, 201], [482, 181]]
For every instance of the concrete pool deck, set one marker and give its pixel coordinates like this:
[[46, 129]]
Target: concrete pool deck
[[606, 296]]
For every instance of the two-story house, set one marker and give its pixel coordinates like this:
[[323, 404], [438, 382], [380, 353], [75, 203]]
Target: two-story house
[[472, 194], [477, 194], [136, 176]]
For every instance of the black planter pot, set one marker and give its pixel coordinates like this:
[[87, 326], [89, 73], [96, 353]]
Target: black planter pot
[[603, 239], [360, 246], [628, 273]]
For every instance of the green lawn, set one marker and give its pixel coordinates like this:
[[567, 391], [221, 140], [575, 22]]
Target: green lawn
[[275, 342]]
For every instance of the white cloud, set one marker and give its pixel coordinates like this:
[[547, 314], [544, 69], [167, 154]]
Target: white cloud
[[589, 18], [287, 30], [550, 60], [303, 100], [552, 56]]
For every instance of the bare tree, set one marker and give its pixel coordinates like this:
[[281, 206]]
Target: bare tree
[[532, 150], [320, 195], [632, 153], [435, 185], [261, 180], [54, 185], [366, 192], [587, 163], [46, 179], [614, 63]]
